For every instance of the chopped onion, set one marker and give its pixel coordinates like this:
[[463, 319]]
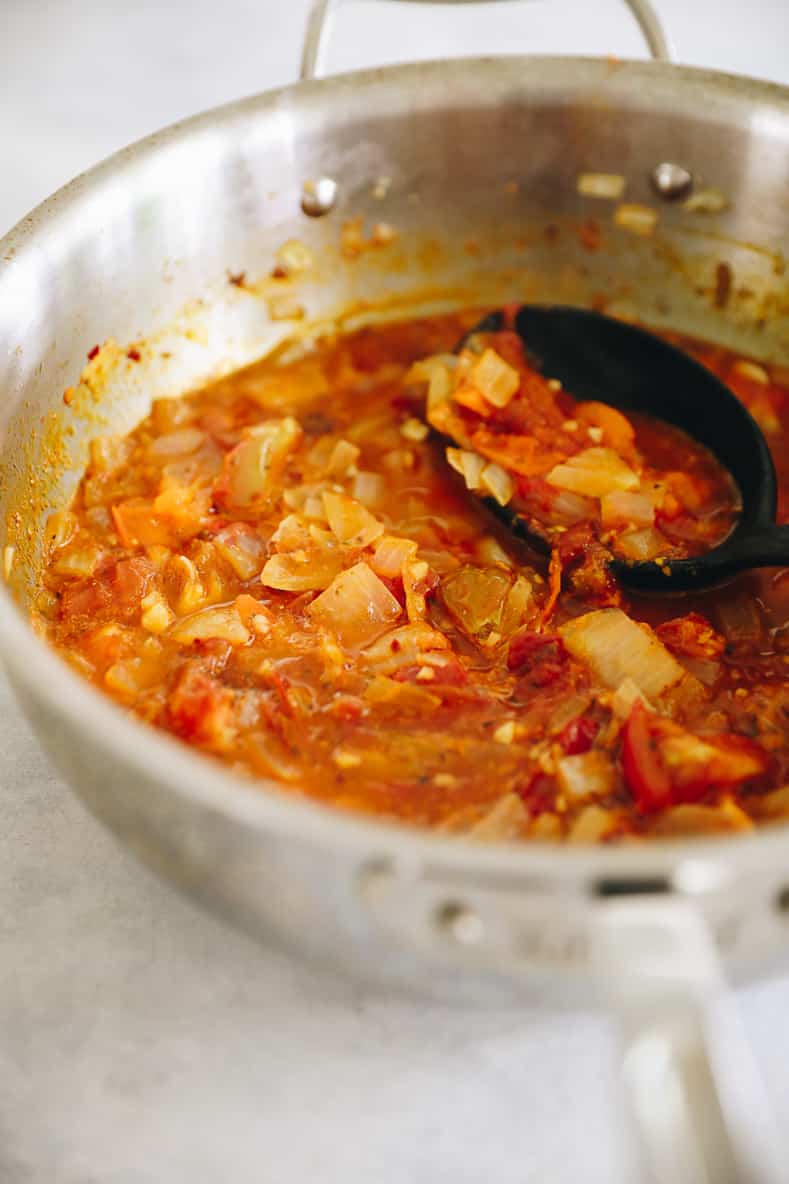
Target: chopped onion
[[223, 623], [515, 606], [468, 464], [494, 378], [490, 550], [60, 529], [80, 561], [497, 482], [636, 218], [292, 533], [402, 647], [356, 606], [389, 555], [633, 509], [368, 488], [703, 669], [437, 373], [414, 430], [301, 570], [691, 819], [475, 596], [594, 473], [624, 697], [593, 825], [350, 522], [504, 820], [242, 548], [343, 457], [605, 185], [415, 573], [640, 545], [567, 508], [179, 443], [589, 774], [253, 466], [752, 371], [616, 648]]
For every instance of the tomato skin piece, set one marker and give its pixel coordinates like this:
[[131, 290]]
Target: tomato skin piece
[[646, 777], [664, 764], [578, 736]]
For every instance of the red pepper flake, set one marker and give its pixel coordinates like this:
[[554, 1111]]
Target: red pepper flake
[[237, 279], [93, 353], [134, 355]]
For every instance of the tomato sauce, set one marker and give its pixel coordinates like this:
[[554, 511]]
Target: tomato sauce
[[284, 571]]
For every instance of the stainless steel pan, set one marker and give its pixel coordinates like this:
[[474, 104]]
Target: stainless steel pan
[[475, 164]]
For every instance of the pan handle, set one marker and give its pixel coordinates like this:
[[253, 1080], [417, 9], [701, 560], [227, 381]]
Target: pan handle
[[700, 1111], [321, 16]]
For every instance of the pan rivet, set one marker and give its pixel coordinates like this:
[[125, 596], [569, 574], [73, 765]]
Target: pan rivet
[[318, 196], [671, 181], [460, 922]]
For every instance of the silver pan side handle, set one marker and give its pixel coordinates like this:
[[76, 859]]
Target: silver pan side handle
[[322, 12], [694, 1091]]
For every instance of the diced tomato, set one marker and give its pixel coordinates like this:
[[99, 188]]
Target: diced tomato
[[85, 599], [578, 736], [692, 635], [115, 591], [539, 656], [129, 581], [200, 709], [644, 773], [539, 792], [664, 764]]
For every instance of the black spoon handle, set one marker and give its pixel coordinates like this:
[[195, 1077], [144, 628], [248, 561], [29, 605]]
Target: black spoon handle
[[768, 546], [763, 546]]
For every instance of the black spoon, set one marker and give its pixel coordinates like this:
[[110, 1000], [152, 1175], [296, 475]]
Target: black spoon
[[597, 357]]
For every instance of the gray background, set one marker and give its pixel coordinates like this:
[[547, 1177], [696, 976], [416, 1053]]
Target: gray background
[[140, 1042]]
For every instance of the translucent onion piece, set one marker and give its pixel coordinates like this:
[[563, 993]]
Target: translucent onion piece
[[223, 623], [389, 555], [631, 509], [252, 468], [594, 473], [589, 774], [498, 483], [640, 545], [356, 606], [494, 378], [604, 185], [475, 597], [616, 648], [349, 521]]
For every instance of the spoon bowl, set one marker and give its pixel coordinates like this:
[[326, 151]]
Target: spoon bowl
[[609, 361]]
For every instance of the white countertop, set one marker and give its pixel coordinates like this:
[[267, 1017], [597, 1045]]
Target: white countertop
[[140, 1041]]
